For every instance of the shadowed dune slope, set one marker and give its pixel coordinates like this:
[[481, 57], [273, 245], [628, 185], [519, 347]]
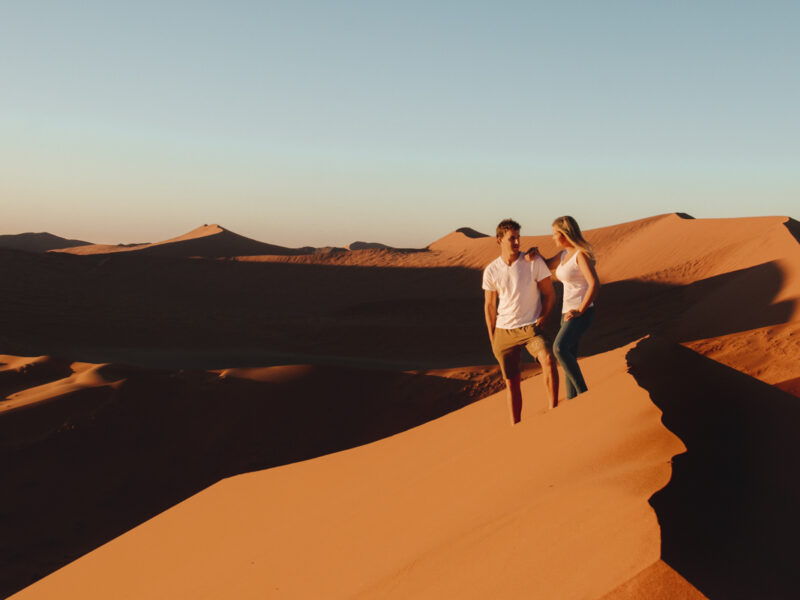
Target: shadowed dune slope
[[38, 242], [141, 309], [461, 507], [367, 246], [728, 516]]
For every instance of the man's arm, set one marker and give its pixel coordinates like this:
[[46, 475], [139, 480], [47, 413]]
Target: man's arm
[[490, 311], [548, 295]]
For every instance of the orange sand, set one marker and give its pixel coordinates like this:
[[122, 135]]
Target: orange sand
[[407, 481], [464, 506]]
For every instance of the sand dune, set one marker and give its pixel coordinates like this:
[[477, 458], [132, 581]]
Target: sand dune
[[657, 582], [355, 423], [461, 507], [155, 437], [729, 514], [769, 354], [84, 376], [207, 241], [367, 246], [38, 242]]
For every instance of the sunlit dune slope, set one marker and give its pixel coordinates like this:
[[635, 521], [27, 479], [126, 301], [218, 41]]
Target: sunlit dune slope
[[116, 445], [464, 506], [668, 248], [657, 582], [770, 354], [691, 280]]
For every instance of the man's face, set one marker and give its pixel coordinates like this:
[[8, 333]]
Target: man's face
[[509, 243]]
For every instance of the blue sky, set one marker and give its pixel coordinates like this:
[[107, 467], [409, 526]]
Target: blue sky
[[326, 122]]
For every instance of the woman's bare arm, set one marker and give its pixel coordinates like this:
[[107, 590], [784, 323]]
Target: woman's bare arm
[[588, 271], [551, 262]]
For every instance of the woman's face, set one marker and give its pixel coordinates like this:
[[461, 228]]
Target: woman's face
[[560, 239]]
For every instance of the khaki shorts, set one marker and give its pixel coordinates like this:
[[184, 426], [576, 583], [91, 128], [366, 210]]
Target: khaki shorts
[[507, 347]]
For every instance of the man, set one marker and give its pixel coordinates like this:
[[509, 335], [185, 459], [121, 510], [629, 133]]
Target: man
[[525, 293]]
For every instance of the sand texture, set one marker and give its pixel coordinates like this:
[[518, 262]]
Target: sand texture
[[210, 417]]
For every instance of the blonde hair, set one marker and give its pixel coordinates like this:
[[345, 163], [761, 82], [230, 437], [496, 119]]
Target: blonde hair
[[572, 231]]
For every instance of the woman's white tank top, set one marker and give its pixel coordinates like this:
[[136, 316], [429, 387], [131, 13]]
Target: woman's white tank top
[[575, 285]]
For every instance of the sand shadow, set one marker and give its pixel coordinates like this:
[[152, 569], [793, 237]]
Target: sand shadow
[[729, 516], [732, 302], [77, 306], [207, 314], [84, 469], [471, 233], [794, 228]]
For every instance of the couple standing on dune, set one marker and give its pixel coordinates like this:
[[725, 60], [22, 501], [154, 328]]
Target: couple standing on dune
[[519, 296]]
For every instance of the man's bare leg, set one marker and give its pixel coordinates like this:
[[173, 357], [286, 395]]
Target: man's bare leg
[[514, 398], [550, 373]]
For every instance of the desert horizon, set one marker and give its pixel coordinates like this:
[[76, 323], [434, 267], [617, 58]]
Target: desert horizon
[[200, 418]]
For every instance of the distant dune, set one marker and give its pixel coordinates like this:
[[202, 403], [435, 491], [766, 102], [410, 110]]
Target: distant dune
[[368, 246], [471, 233], [38, 242], [208, 241], [332, 424]]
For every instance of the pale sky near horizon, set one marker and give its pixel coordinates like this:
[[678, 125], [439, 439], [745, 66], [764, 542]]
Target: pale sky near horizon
[[321, 123]]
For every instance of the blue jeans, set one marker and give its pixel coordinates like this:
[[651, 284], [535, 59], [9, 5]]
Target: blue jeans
[[565, 348]]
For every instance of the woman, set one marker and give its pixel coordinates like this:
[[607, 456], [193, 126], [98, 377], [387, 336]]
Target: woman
[[574, 267]]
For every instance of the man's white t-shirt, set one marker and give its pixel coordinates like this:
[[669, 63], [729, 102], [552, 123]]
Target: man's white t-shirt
[[516, 285]]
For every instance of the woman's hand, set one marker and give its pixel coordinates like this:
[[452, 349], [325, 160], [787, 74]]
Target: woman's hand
[[531, 254], [572, 314]]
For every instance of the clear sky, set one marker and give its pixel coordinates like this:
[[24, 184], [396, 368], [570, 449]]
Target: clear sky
[[325, 122]]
